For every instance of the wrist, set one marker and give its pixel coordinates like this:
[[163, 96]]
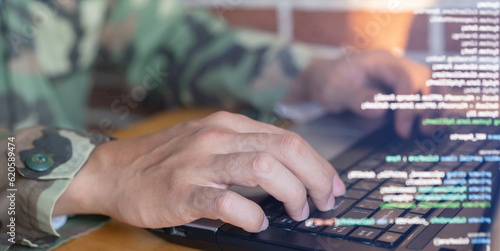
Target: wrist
[[82, 194]]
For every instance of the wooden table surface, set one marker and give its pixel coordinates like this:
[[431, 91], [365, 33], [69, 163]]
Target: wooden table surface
[[119, 236]]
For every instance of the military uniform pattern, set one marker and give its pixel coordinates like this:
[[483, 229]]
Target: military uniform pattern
[[47, 48], [37, 191]]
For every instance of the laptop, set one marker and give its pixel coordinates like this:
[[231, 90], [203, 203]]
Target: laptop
[[436, 193], [458, 210]]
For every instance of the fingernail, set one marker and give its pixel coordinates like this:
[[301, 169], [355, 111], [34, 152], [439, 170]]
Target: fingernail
[[331, 202], [305, 211], [265, 224], [338, 186]]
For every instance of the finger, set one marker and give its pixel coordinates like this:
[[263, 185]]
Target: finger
[[241, 123], [404, 120], [428, 130], [393, 73], [300, 158], [386, 69], [418, 75], [259, 168], [228, 206]]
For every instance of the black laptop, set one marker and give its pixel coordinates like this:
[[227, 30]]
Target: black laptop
[[427, 193], [436, 193]]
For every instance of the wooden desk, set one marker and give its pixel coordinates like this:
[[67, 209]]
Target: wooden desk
[[119, 236]]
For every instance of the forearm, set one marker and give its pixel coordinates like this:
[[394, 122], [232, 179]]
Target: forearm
[[194, 58]]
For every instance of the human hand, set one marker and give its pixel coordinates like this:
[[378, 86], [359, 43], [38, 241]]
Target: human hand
[[343, 84], [182, 173]]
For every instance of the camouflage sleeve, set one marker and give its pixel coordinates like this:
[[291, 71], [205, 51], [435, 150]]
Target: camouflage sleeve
[[38, 164], [194, 58]]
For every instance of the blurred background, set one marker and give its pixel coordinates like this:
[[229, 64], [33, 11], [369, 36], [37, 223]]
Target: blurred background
[[334, 27]]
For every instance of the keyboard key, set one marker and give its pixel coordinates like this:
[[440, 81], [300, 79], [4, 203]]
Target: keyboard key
[[451, 165], [397, 181], [376, 195], [403, 229], [369, 204], [272, 208], [384, 167], [471, 164], [312, 229], [421, 240], [369, 164], [396, 147], [346, 180], [340, 231], [419, 210], [364, 234], [443, 151], [423, 165], [492, 145], [280, 239], [386, 216], [361, 168], [442, 168], [466, 169], [390, 166], [284, 222], [393, 184], [467, 148], [365, 185], [388, 239], [341, 204], [412, 167], [489, 166], [357, 213], [272, 216], [354, 193], [379, 156]]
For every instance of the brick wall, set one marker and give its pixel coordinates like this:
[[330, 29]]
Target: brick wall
[[325, 24], [362, 24]]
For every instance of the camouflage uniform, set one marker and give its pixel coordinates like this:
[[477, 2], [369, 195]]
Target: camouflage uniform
[[47, 49]]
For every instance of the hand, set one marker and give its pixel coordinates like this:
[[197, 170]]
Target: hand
[[344, 84], [182, 173]]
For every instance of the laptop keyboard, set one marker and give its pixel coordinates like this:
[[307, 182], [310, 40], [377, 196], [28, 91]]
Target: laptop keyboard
[[363, 198]]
